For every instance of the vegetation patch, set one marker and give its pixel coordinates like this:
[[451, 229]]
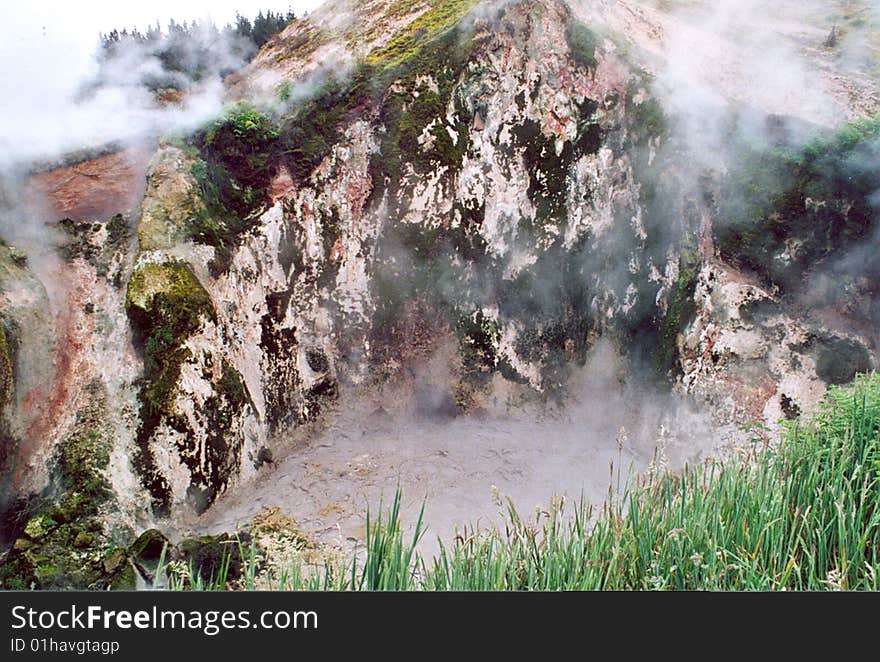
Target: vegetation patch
[[441, 17], [646, 114], [308, 135], [582, 44], [85, 243], [548, 173], [240, 153], [478, 337], [7, 379], [422, 103], [782, 210], [680, 308], [63, 543]]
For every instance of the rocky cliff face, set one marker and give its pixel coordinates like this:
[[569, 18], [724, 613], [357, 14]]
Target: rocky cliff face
[[498, 177], [487, 185]]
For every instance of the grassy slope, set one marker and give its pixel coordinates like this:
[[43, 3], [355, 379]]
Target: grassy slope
[[803, 516]]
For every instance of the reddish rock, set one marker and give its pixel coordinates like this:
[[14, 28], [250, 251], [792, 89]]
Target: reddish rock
[[92, 190], [281, 185]]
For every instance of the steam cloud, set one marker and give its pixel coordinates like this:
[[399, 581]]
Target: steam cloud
[[50, 108]]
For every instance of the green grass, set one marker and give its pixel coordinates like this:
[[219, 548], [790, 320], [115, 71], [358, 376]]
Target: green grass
[[803, 515]]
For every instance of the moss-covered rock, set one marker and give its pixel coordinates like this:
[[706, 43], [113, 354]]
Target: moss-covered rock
[[783, 210], [478, 337], [64, 543], [114, 560], [149, 546], [172, 202], [124, 580], [680, 308], [7, 384], [39, 525], [214, 557], [99, 243], [148, 551], [166, 304], [240, 151], [439, 18], [582, 44]]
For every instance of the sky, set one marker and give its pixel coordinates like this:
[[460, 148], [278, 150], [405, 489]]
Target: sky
[[71, 29], [80, 22]]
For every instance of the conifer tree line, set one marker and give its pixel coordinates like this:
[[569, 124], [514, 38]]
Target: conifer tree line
[[190, 47]]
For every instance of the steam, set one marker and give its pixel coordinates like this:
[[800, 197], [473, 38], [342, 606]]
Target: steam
[[759, 74], [51, 108], [461, 467]]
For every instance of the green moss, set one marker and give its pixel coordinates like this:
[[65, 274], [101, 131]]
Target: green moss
[[478, 337], [238, 156], [64, 541], [819, 197], [124, 580], [117, 230], [284, 91], [39, 525], [402, 8], [646, 117], [582, 44], [7, 381], [166, 305], [148, 546], [114, 559], [548, 173], [443, 16], [11, 582], [309, 134], [414, 105], [241, 147], [173, 201], [680, 308]]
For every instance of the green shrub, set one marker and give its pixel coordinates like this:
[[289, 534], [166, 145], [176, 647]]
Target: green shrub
[[240, 151]]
